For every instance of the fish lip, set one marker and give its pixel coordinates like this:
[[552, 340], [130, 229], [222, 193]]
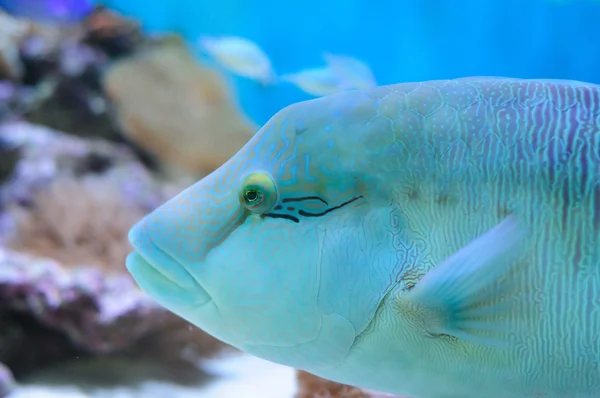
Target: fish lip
[[187, 284], [139, 260]]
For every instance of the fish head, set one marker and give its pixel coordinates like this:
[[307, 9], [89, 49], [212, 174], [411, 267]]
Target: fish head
[[262, 253]]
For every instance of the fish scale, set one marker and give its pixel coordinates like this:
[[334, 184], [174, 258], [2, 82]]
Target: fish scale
[[458, 256], [545, 168]]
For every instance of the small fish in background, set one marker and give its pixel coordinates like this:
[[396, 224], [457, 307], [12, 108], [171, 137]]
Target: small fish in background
[[316, 81], [341, 73], [61, 11], [352, 72], [240, 56]]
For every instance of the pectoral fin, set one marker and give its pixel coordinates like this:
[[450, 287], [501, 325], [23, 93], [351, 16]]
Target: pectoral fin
[[465, 296]]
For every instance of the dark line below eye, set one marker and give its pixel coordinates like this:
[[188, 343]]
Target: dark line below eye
[[287, 200], [307, 214], [286, 216]]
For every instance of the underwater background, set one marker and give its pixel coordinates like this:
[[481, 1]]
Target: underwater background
[[104, 116], [409, 40], [402, 40]]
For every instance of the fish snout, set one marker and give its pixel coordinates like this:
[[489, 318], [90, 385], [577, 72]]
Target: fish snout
[[158, 272]]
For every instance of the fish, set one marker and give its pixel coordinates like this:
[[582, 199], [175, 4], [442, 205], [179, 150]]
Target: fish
[[428, 239], [341, 73], [240, 56], [354, 73], [318, 82]]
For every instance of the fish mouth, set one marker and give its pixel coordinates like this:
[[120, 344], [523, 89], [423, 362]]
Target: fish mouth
[[160, 274]]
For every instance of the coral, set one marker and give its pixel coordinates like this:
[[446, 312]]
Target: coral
[[177, 109], [9, 156], [103, 78], [311, 386], [82, 303], [115, 35], [70, 98], [55, 72], [12, 33], [46, 153], [7, 383], [64, 292], [51, 313], [77, 221], [74, 199]]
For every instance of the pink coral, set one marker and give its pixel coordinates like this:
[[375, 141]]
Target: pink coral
[[77, 221]]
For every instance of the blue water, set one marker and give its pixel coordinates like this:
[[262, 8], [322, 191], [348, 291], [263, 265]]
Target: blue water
[[62, 11], [403, 40]]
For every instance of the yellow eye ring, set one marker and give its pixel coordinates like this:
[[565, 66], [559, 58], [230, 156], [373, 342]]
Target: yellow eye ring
[[259, 193]]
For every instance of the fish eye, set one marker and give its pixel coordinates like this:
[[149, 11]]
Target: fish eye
[[259, 193]]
